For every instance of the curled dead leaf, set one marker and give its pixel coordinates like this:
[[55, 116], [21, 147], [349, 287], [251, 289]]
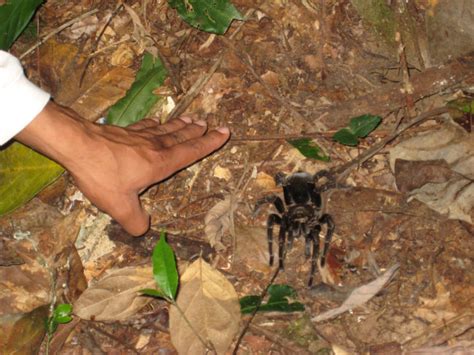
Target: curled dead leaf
[[359, 296], [440, 170], [217, 221], [211, 305]]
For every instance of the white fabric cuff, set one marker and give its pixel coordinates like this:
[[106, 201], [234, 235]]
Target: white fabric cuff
[[20, 100]]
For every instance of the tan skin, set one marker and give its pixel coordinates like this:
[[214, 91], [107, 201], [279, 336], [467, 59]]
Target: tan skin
[[113, 165]]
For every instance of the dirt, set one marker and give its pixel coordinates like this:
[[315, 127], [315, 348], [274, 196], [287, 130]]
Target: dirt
[[288, 62]]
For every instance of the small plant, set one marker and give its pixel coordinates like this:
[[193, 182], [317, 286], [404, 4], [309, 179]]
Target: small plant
[[278, 301], [209, 16], [309, 149], [61, 315], [166, 276], [359, 127]]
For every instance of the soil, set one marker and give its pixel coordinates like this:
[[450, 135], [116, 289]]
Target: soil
[[295, 69]]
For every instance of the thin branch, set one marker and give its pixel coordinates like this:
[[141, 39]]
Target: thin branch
[[342, 170], [194, 91], [57, 30], [252, 316]]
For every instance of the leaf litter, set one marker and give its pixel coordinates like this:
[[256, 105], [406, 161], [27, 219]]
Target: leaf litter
[[293, 67]]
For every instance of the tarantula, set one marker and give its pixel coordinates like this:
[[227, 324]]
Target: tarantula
[[300, 214]]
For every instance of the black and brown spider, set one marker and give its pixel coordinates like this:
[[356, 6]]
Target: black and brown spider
[[300, 214]]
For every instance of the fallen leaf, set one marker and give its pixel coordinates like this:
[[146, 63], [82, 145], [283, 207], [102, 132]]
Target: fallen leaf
[[256, 257], [43, 239], [23, 173], [265, 181], [450, 192], [411, 175], [87, 26], [211, 305], [360, 295], [20, 333], [115, 296], [123, 56], [438, 309], [222, 173], [62, 69], [217, 221]]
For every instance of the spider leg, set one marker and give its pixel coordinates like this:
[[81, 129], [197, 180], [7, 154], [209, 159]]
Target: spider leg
[[272, 220], [273, 199], [291, 237], [327, 219], [314, 236], [307, 245], [281, 243]]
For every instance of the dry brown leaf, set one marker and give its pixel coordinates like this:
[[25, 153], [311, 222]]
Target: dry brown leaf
[[451, 194], [437, 309], [360, 295], [43, 239], [115, 296], [217, 221], [265, 181], [62, 69], [20, 333], [212, 307], [257, 256]]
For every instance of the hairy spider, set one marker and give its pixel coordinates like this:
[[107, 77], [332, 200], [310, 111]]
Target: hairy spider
[[299, 215]]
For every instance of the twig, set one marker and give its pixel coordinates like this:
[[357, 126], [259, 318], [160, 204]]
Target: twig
[[287, 104], [57, 30], [342, 170], [96, 43], [442, 333], [113, 337], [194, 91], [252, 316], [284, 343]]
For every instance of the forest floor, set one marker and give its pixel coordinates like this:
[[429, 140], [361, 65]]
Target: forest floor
[[293, 70]]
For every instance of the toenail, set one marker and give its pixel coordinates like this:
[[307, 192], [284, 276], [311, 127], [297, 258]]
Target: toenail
[[201, 123]]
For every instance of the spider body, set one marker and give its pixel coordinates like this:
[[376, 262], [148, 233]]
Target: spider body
[[299, 215]]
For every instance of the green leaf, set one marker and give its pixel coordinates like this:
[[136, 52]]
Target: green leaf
[[310, 150], [61, 315], [346, 137], [361, 126], [277, 302], [140, 98], [23, 173], [212, 16], [14, 17], [249, 303], [62, 310], [152, 292], [164, 268]]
